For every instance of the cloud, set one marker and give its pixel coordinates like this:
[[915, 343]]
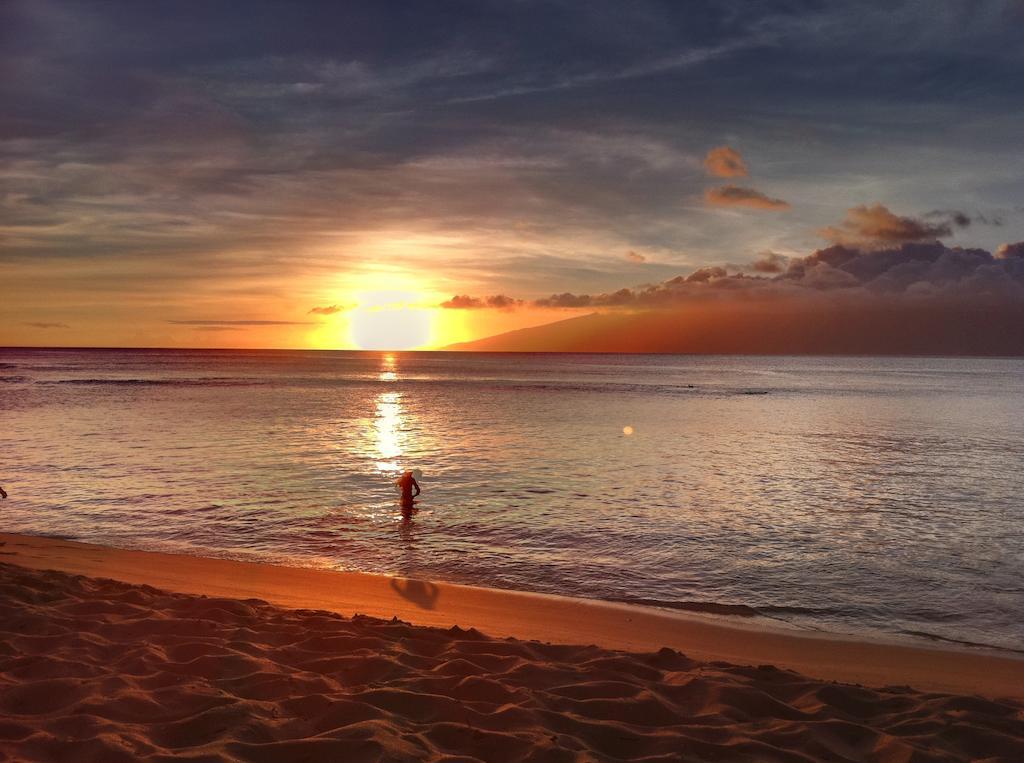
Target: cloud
[[959, 219], [736, 196], [45, 325], [328, 310], [770, 262], [635, 256], [725, 162], [995, 220], [243, 323], [496, 302], [567, 299], [267, 160], [876, 225], [1010, 251], [464, 302], [909, 271]]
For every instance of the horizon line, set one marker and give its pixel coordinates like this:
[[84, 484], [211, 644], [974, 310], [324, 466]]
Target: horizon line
[[516, 352]]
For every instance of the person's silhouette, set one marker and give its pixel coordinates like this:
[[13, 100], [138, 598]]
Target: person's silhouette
[[407, 483]]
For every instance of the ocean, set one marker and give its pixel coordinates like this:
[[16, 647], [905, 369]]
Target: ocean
[[863, 496]]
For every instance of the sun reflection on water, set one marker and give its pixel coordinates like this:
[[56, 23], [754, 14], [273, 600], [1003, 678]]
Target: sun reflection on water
[[388, 430], [389, 420], [388, 368]]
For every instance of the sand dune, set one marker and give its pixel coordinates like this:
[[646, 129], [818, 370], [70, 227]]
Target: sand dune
[[97, 670]]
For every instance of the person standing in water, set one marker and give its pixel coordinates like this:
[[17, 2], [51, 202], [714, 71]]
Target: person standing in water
[[407, 483]]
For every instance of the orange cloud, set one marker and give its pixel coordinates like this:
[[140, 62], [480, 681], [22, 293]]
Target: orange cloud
[[735, 196], [725, 162], [635, 256], [877, 225], [1010, 251]]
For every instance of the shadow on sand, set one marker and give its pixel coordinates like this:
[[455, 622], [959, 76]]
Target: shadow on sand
[[422, 593]]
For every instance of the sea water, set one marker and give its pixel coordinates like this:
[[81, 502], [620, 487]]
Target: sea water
[[853, 495]]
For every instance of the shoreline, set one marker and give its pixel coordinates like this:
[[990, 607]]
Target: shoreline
[[736, 616], [97, 669], [539, 617]]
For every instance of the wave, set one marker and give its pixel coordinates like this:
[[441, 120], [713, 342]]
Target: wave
[[14, 379], [573, 386], [776, 612], [492, 383], [53, 368], [781, 609], [961, 642], [707, 607], [212, 382]]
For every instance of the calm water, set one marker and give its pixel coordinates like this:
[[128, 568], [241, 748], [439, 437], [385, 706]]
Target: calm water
[[852, 495]]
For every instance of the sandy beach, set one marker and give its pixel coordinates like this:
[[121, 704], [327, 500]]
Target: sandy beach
[[511, 381], [126, 655]]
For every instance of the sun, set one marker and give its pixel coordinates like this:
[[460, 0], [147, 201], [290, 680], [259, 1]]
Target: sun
[[386, 311], [391, 320]]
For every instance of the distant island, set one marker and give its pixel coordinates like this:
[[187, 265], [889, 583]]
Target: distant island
[[971, 329]]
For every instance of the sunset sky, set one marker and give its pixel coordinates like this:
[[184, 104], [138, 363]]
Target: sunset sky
[[341, 175]]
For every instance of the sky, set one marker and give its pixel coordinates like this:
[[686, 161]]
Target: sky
[[340, 175]]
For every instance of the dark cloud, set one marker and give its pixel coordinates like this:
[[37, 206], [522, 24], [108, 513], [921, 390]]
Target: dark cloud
[[45, 325], [725, 162], [614, 299], [954, 217], [566, 299], [959, 219], [770, 262], [496, 302], [501, 302], [328, 310], [633, 256], [735, 196], [243, 323], [464, 302]]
